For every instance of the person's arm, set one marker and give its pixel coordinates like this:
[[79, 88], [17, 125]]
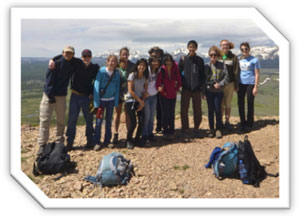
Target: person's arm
[[202, 75], [95, 70], [96, 89], [51, 64], [178, 79], [117, 73], [49, 85], [255, 89], [236, 71], [256, 71], [225, 80]]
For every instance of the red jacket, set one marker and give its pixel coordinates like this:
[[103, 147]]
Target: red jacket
[[170, 84]]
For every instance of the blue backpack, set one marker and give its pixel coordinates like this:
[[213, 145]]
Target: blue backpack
[[226, 164], [114, 169]]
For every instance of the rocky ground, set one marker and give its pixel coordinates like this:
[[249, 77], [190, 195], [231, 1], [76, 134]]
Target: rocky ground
[[165, 169]]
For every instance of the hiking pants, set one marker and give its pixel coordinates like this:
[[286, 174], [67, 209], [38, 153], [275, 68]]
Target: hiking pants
[[131, 108], [214, 101], [46, 110], [158, 114], [242, 92], [150, 107], [184, 110], [108, 109], [168, 114], [78, 102]]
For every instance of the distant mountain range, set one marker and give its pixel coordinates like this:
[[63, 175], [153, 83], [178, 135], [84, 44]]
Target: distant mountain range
[[268, 56]]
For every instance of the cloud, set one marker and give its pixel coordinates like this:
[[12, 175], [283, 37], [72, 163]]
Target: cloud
[[45, 38]]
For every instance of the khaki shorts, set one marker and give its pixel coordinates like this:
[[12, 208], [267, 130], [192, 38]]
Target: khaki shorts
[[228, 93]]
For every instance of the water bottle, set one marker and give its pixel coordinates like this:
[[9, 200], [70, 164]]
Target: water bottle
[[243, 172]]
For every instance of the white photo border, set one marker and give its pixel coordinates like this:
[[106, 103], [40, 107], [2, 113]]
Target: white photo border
[[16, 16]]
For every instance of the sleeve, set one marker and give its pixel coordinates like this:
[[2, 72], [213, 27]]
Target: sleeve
[[158, 80], [117, 88], [181, 65], [257, 64], [49, 83], [131, 77], [96, 89], [95, 69], [226, 77], [202, 75], [236, 70], [56, 57], [178, 79]]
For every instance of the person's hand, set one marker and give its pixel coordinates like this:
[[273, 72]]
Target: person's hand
[[52, 100], [51, 64], [141, 103], [203, 96], [254, 91], [146, 95], [217, 85], [160, 89], [90, 96]]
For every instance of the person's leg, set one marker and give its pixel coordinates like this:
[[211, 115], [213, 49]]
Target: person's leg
[[60, 110], [118, 111], [74, 109], [109, 109], [241, 104], [153, 104], [172, 104], [147, 111], [158, 114], [141, 123], [184, 109], [97, 134], [196, 99], [46, 110], [210, 107], [217, 102], [228, 93], [250, 103], [132, 116], [164, 109], [88, 119]]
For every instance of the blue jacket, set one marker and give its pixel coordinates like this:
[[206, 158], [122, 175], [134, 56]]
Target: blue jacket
[[111, 91]]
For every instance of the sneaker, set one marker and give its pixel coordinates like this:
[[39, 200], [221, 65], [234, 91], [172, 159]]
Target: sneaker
[[97, 147], [116, 138], [130, 145], [211, 134], [218, 134]]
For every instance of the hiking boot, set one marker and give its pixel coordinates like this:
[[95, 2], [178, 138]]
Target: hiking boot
[[211, 134], [69, 146], [218, 134], [111, 145], [116, 138], [41, 150], [97, 147], [130, 145], [228, 126]]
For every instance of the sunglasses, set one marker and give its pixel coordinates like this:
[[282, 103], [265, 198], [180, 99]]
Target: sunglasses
[[87, 56], [244, 49], [211, 55]]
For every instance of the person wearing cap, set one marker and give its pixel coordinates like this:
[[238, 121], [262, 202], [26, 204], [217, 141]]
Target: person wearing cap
[[81, 95], [54, 97]]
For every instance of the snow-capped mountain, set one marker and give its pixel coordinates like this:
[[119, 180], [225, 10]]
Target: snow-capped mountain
[[133, 54], [264, 52]]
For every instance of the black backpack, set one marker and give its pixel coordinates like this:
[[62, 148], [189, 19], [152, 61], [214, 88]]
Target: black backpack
[[255, 171], [53, 160]]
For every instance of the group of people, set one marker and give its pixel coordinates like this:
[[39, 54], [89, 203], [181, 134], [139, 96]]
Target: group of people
[[147, 87]]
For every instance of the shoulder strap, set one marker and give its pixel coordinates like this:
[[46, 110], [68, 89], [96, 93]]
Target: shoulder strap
[[109, 81]]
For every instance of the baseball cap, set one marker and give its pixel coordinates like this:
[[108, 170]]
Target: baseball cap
[[86, 52], [69, 49]]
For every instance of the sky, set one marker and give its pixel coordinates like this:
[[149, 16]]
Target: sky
[[47, 37]]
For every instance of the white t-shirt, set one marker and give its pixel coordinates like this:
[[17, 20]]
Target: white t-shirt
[[151, 83]]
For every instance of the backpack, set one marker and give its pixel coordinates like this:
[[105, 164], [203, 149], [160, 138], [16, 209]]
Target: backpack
[[53, 160], [226, 163], [114, 169], [255, 173]]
